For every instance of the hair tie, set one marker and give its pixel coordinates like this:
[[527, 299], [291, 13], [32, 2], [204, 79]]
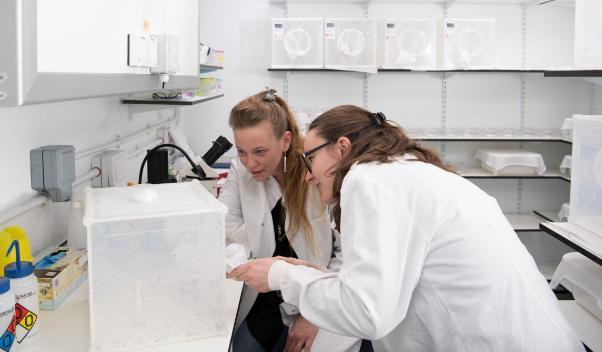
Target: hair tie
[[270, 94], [378, 118]]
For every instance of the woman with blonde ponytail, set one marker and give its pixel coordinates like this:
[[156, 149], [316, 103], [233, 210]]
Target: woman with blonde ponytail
[[274, 212]]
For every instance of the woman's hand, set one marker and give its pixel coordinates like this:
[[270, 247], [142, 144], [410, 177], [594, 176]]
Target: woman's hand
[[254, 273], [300, 336]]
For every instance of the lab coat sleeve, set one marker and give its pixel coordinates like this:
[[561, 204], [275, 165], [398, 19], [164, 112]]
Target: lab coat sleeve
[[337, 254], [230, 196], [384, 246]]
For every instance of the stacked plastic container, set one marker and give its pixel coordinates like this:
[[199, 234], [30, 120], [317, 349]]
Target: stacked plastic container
[[583, 278], [566, 130], [511, 162], [467, 44], [156, 265], [353, 43], [350, 43], [586, 174], [297, 43], [588, 47], [565, 165], [564, 212], [409, 43], [577, 273]]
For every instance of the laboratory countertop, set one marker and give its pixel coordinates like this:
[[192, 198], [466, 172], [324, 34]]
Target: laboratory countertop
[[585, 325], [67, 328]]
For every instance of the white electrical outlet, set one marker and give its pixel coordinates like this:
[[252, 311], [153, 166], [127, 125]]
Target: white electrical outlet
[[152, 51], [140, 50], [168, 55]]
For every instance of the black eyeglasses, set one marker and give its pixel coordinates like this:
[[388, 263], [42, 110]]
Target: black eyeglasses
[[312, 151]]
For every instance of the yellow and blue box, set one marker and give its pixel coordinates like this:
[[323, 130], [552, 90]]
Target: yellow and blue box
[[59, 273]]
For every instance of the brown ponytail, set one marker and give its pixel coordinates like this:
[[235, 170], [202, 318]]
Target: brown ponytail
[[254, 110], [372, 139]]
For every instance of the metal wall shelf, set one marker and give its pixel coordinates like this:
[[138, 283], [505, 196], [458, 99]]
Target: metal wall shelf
[[548, 215], [545, 72], [570, 3], [309, 70], [478, 172], [585, 243], [179, 101], [493, 70], [573, 73], [524, 222], [209, 68], [586, 326], [451, 138]]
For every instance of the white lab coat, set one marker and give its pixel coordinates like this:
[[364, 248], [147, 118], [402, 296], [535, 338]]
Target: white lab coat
[[249, 222], [431, 264]]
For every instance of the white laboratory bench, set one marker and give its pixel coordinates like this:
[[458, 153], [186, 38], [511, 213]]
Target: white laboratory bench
[[585, 325], [67, 328]]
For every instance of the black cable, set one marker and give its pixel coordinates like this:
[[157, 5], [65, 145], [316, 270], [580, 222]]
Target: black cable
[[195, 169]]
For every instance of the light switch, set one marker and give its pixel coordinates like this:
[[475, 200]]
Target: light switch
[[168, 55], [152, 51], [138, 50]]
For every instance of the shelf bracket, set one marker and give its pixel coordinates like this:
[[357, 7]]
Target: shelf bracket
[[130, 113], [523, 101], [449, 3], [365, 91], [592, 99], [285, 85], [443, 122], [523, 59], [287, 73], [519, 196], [445, 7]]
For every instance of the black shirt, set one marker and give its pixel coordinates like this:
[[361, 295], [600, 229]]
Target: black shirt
[[264, 320]]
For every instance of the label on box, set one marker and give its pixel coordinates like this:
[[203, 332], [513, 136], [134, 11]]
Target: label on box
[[450, 29], [390, 31], [330, 32], [278, 31]]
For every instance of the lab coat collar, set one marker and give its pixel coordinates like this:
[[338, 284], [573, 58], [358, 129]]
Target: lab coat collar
[[401, 158]]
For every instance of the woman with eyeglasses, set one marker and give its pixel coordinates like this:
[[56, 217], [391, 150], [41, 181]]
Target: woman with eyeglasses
[[431, 263], [275, 213]]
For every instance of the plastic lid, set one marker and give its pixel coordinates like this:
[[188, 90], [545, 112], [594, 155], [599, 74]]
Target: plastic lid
[[149, 201], [17, 269], [4, 285], [413, 41], [351, 42], [470, 41], [297, 43]]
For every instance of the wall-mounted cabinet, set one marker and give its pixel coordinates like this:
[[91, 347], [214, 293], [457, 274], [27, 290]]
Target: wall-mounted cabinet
[[85, 53]]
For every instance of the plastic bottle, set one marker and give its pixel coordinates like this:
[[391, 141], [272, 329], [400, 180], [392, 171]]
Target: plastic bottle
[[18, 233], [24, 285], [7, 316], [5, 241]]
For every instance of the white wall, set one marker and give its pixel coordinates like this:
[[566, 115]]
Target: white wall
[[83, 123]]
